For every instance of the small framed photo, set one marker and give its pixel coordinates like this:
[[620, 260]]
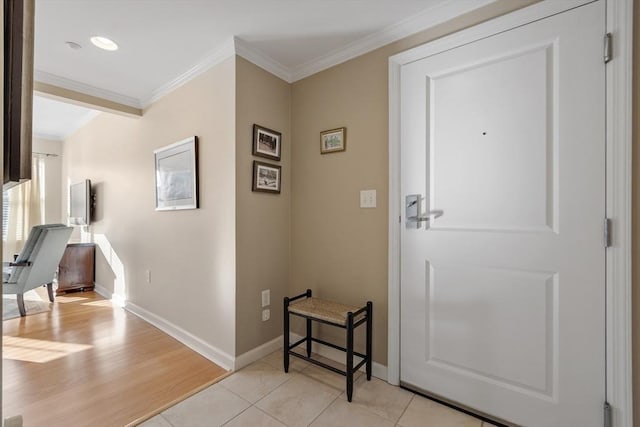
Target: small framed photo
[[333, 140], [266, 177], [266, 142], [177, 175]]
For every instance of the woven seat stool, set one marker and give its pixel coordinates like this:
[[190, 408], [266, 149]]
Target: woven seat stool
[[332, 313]]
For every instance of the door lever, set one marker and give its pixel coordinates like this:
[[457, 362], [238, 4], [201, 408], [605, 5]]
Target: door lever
[[436, 213], [413, 214]]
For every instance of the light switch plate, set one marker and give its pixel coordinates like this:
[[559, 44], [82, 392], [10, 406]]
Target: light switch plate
[[266, 297], [368, 199]]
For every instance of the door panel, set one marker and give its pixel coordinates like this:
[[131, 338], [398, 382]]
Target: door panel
[[505, 316], [509, 164], [502, 297]]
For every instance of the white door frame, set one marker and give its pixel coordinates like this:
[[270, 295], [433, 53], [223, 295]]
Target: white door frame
[[618, 203]]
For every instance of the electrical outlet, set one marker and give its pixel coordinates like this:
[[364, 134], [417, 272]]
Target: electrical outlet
[[266, 314], [266, 297], [148, 275]]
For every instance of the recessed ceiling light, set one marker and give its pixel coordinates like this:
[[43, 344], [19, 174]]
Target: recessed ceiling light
[[73, 45], [104, 43]]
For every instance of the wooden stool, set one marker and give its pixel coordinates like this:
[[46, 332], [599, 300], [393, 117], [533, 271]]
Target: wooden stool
[[331, 313]]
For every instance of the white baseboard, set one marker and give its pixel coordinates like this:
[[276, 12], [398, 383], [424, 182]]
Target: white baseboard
[[117, 300], [377, 370], [220, 357], [102, 291], [196, 344], [258, 353], [15, 421]]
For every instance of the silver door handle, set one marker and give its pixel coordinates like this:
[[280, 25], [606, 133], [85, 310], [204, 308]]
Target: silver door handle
[[413, 211], [436, 213]]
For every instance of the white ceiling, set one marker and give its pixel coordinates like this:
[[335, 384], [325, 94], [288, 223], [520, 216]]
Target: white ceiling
[[56, 120], [164, 43]]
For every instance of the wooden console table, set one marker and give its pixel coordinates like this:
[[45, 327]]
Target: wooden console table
[[76, 271]]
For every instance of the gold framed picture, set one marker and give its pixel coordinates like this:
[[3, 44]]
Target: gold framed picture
[[333, 140]]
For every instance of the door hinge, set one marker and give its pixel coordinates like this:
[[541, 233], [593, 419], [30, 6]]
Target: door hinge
[[607, 232], [607, 415], [608, 48]]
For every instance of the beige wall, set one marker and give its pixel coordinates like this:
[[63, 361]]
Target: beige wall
[[262, 219], [338, 249], [191, 253]]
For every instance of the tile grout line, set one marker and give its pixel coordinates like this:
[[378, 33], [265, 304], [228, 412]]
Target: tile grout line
[[239, 413], [164, 418], [413, 396], [290, 376], [271, 391], [301, 372], [236, 416], [323, 411], [270, 416], [251, 404], [314, 380]]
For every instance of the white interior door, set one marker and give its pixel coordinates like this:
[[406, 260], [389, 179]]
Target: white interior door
[[502, 297]]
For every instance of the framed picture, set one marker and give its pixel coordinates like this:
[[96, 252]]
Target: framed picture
[[266, 142], [177, 175], [266, 177], [333, 140]]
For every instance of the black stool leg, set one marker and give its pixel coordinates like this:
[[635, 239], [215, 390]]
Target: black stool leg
[[308, 337], [369, 336], [285, 354], [349, 356], [308, 329]]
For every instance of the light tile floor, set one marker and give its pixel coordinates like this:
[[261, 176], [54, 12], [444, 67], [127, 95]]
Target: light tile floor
[[263, 395]]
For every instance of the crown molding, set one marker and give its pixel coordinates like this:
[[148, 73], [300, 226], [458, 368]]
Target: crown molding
[[211, 59], [262, 60], [65, 83], [428, 18]]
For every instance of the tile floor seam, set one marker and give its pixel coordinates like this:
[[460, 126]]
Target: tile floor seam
[[274, 416], [271, 416], [290, 376], [265, 396], [237, 415], [236, 394], [300, 375], [165, 418], [413, 396], [322, 412]]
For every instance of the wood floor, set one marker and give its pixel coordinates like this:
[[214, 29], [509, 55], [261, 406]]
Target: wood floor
[[85, 363]]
